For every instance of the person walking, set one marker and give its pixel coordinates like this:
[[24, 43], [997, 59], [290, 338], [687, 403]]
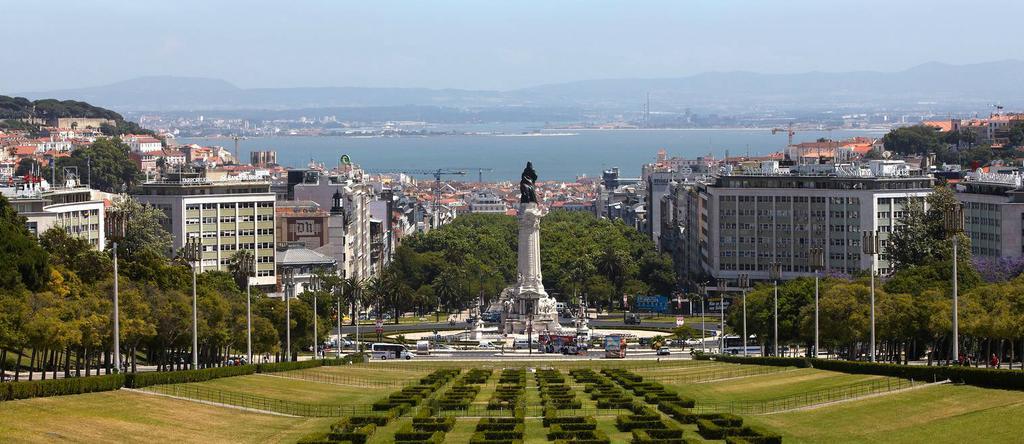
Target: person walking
[[994, 361]]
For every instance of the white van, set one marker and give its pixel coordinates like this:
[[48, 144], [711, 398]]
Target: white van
[[389, 351]]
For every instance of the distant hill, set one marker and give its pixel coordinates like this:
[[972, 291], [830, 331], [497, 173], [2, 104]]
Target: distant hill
[[12, 109], [973, 85]]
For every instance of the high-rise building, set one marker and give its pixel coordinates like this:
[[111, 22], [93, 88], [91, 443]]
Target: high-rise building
[[993, 205], [226, 215], [78, 210], [742, 222], [347, 198]]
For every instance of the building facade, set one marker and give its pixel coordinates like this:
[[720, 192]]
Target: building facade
[[227, 216], [742, 223], [993, 206]]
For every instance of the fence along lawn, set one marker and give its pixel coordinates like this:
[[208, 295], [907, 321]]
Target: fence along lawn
[[126, 416], [272, 386], [764, 387], [936, 414]]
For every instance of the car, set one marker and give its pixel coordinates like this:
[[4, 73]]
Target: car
[[664, 351], [486, 346], [632, 319]]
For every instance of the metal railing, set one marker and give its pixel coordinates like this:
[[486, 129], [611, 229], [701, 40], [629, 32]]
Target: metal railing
[[337, 379], [201, 393], [716, 373], [808, 399]]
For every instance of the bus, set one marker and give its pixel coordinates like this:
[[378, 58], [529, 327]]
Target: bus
[[734, 346], [389, 351], [564, 344], [614, 346]]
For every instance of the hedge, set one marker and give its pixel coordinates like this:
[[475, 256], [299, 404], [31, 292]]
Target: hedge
[[653, 436], [60, 387], [982, 377], [408, 436], [139, 380]]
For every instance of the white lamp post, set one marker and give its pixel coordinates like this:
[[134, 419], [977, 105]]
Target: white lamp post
[[954, 224], [817, 262], [775, 270], [115, 225], [870, 247], [193, 254], [744, 283]]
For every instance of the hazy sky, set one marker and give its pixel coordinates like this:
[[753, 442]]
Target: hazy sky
[[55, 44]]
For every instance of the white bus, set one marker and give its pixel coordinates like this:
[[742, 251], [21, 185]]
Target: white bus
[[389, 351]]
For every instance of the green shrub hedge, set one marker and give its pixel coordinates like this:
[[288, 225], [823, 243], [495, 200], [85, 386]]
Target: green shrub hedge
[[60, 387], [139, 380], [982, 377]]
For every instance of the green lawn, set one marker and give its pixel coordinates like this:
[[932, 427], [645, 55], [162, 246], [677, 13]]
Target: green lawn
[[769, 386], [296, 390], [938, 414], [123, 416], [947, 413]]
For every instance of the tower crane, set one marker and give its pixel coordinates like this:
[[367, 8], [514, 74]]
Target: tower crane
[[789, 132], [479, 172], [437, 173], [236, 139]]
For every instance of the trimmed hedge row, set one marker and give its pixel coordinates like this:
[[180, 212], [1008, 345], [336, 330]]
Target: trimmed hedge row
[[499, 431], [509, 392], [981, 377], [139, 380], [60, 387]]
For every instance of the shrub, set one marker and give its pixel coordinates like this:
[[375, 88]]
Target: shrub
[[60, 387], [433, 424], [409, 436], [139, 380], [672, 435], [357, 435]]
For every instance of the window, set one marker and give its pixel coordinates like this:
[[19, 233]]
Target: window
[[227, 219]]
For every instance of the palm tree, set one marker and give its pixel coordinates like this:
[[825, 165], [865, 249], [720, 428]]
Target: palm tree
[[235, 266], [614, 265], [446, 289], [351, 292]]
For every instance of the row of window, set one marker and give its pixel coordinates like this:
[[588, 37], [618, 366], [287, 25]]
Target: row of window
[[228, 206]]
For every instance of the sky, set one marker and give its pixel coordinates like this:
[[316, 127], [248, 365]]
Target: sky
[[480, 44]]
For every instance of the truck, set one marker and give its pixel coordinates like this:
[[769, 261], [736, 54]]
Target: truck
[[614, 346]]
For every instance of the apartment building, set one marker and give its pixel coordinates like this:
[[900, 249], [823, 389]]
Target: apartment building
[[78, 210], [348, 198], [486, 201], [741, 222], [993, 205], [228, 216]]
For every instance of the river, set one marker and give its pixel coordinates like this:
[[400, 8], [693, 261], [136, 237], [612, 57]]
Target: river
[[556, 154]]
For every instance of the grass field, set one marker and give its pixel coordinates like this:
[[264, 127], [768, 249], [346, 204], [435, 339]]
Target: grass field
[[770, 386], [933, 414], [124, 416], [937, 414], [294, 390]]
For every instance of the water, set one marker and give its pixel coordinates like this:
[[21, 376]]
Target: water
[[556, 157]]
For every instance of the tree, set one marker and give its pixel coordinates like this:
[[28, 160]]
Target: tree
[[106, 163], [145, 235], [917, 139], [22, 260], [921, 235]]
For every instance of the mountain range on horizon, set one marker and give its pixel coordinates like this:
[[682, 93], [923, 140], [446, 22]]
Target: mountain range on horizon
[[945, 85]]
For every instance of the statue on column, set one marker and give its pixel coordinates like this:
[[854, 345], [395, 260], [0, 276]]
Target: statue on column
[[528, 185]]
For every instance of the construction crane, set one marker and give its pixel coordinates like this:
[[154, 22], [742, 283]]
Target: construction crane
[[789, 131], [437, 173], [479, 172], [237, 138]]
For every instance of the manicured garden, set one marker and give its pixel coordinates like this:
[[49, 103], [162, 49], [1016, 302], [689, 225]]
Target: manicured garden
[[512, 402]]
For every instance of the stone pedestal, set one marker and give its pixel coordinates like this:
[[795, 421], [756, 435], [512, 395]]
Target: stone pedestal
[[526, 304]]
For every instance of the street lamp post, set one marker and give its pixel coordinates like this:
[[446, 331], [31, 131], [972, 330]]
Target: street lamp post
[[817, 262], [870, 247], [115, 225], [337, 293], [954, 224], [744, 282], [193, 254], [702, 295], [248, 268], [289, 285], [314, 286], [722, 285], [776, 273]]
